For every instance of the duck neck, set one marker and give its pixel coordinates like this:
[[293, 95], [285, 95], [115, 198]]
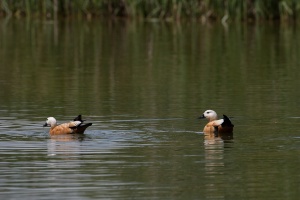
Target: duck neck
[[213, 118], [53, 125]]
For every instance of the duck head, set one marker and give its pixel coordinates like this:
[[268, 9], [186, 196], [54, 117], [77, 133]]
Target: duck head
[[210, 115], [51, 121]]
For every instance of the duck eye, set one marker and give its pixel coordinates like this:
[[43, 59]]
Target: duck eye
[[207, 112]]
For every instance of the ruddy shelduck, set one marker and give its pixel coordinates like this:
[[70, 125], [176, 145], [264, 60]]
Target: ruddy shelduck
[[76, 126], [215, 125]]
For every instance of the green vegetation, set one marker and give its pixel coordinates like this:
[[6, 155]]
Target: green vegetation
[[242, 10]]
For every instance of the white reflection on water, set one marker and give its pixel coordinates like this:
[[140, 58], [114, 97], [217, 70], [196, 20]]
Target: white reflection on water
[[68, 143], [214, 164]]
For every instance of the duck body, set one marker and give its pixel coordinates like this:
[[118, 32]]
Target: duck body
[[215, 125], [71, 127]]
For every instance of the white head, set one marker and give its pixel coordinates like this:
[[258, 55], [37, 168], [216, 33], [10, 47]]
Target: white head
[[50, 121], [210, 115]]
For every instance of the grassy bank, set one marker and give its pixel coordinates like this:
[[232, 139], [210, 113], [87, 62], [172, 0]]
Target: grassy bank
[[242, 10]]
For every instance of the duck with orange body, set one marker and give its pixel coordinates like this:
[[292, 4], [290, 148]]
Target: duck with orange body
[[76, 126], [215, 125]]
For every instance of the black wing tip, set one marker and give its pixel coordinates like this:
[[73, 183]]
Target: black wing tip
[[88, 124], [78, 118], [85, 125], [227, 121]]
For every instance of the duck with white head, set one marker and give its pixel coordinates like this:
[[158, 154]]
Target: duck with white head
[[216, 125], [76, 126]]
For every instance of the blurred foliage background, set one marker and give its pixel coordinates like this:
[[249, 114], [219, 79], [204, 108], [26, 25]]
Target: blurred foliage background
[[242, 10]]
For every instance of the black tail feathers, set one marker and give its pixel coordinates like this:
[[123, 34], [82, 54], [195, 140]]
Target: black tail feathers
[[85, 125], [78, 118], [227, 122], [80, 128]]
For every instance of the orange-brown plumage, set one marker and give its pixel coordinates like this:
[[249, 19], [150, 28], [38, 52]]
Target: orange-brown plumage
[[66, 128]]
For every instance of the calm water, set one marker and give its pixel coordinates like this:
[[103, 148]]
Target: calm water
[[143, 85]]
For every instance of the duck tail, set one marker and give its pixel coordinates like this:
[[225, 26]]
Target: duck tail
[[78, 118], [85, 125], [227, 122], [81, 127]]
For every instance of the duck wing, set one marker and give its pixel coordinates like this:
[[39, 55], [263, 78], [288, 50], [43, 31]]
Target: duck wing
[[226, 122], [78, 118]]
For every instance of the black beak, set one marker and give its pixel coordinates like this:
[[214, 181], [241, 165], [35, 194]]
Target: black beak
[[45, 125], [201, 117]]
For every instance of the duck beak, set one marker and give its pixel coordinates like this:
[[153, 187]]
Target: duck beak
[[45, 125], [201, 117]]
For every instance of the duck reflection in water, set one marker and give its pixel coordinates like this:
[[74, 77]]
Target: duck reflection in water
[[68, 137], [215, 151], [67, 144], [217, 138]]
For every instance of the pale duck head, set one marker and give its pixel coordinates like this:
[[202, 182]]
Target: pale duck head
[[210, 115], [50, 121]]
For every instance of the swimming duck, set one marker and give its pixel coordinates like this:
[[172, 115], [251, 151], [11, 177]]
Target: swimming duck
[[75, 126], [216, 125]]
